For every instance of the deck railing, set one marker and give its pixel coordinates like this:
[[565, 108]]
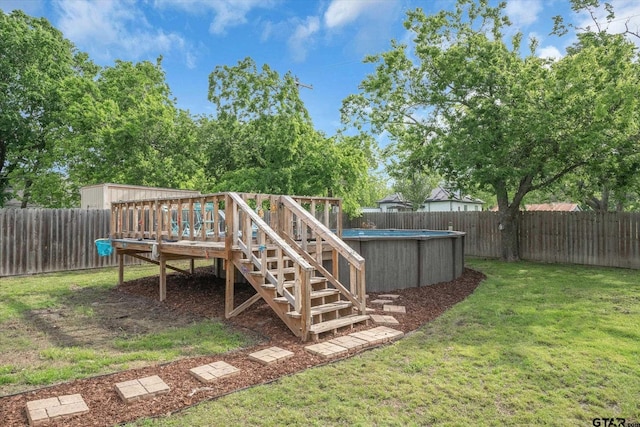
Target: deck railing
[[196, 218], [202, 218]]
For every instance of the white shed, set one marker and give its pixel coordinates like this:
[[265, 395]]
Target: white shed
[[101, 196]]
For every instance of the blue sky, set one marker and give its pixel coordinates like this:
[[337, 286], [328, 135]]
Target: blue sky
[[322, 42]]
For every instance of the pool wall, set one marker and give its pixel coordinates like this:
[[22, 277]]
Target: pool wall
[[408, 261]]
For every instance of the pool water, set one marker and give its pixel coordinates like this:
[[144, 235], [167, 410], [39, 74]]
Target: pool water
[[356, 232]]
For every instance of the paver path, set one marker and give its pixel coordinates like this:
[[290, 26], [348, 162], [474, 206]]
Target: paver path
[[40, 412]]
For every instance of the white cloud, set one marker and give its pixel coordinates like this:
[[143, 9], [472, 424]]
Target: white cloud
[[550, 52], [227, 13], [342, 12], [627, 15], [523, 12], [374, 18], [191, 60], [302, 37], [114, 29], [369, 23]]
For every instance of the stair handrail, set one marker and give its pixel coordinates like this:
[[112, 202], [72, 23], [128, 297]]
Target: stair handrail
[[275, 237], [320, 229], [302, 288], [355, 260]]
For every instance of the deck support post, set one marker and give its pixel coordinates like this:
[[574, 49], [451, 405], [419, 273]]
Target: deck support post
[[228, 294], [120, 268], [192, 266], [163, 278]]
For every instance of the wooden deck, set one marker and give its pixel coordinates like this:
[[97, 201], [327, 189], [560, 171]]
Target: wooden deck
[[283, 246]]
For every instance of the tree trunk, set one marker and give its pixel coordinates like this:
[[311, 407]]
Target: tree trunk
[[509, 236], [509, 225], [26, 195]]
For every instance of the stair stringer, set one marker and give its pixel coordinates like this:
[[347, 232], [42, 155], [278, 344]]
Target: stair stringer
[[268, 294]]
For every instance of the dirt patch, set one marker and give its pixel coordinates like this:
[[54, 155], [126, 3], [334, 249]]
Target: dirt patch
[[202, 296], [94, 318]]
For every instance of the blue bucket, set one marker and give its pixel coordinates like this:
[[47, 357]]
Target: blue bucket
[[104, 247]]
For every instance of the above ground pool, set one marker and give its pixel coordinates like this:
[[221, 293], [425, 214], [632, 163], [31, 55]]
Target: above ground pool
[[398, 259]]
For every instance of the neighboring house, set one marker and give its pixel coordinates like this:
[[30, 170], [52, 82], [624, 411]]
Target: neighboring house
[[555, 207], [394, 203], [100, 196], [443, 200]]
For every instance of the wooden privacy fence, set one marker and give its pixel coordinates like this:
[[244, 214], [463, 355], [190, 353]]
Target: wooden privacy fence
[[47, 240], [605, 239]]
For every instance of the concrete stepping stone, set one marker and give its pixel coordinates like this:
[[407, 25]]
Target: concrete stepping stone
[[270, 355], [41, 411], [394, 309], [380, 301], [141, 388], [389, 296], [349, 342], [383, 320], [326, 349], [213, 371], [378, 335]]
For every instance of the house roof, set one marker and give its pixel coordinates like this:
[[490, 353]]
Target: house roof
[[557, 207], [394, 198], [440, 194]]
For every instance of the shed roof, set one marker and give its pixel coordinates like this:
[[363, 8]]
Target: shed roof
[[393, 198], [556, 207]]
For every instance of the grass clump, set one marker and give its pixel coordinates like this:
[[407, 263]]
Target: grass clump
[[199, 338]]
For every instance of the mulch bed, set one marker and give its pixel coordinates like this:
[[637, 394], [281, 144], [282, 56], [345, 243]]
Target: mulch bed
[[203, 295]]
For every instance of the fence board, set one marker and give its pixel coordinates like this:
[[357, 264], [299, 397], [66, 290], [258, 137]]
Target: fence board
[[605, 239], [46, 240]]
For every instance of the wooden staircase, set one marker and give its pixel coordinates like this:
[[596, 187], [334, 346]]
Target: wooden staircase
[[290, 274]]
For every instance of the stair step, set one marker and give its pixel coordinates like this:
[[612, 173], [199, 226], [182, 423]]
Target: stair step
[[325, 308], [314, 281], [314, 294], [269, 259], [271, 286], [273, 272], [324, 293], [285, 270], [318, 328]]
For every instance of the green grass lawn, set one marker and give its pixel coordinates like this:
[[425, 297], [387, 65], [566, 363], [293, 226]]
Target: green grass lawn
[[47, 320], [534, 345]]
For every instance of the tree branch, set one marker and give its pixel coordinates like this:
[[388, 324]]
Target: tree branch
[[558, 175]]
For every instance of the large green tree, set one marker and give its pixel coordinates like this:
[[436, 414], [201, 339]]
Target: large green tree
[[466, 102], [126, 128], [35, 62], [613, 183], [262, 139]]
